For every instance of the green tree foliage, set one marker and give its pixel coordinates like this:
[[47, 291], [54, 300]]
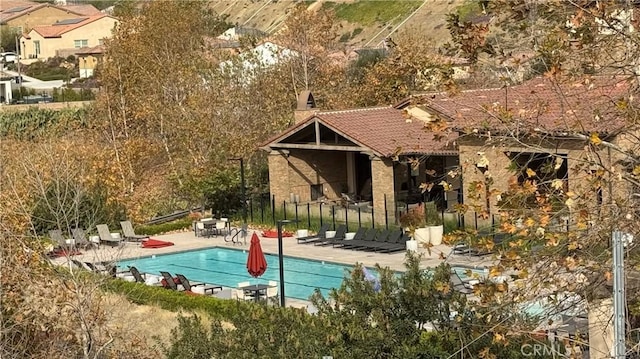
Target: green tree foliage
[[359, 321]]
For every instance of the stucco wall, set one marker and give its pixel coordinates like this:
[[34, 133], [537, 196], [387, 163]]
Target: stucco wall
[[93, 32], [39, 17]]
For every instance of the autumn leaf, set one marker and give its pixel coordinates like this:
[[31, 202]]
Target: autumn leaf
[[557, 184], [530, 173], [636, 170], [595, 139]]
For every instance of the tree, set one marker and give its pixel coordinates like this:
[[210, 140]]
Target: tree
[[557, 237], [50, 309]]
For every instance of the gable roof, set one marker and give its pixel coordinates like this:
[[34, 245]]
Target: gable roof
[[12, 9], [590, 105], [384, 130], [57, 30]]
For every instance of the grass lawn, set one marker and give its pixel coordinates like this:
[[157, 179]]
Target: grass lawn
[[367, 12]]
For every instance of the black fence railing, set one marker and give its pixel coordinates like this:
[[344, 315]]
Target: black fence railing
[[312, 215]]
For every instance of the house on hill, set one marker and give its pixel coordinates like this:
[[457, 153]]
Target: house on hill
[[65, 37], [21, 16]]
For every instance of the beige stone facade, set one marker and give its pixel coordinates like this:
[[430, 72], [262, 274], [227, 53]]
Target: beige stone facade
[[382, 184], [489, 164]]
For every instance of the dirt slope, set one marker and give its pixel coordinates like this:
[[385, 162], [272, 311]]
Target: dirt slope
[[268, 16]]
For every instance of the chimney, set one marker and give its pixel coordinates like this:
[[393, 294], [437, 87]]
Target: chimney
[[306, 106]]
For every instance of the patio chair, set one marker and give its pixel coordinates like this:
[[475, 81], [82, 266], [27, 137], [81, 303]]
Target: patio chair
[[169, 282], [80, 238], [101, 268], [56, 236], [221, 228], [243, 294], [369, 237], [368, 242], [272, 291], [141, 277], [341, 232], [460, 285], [321, 234], [391, 242], [106, 237], [129, 233], [188, 286], [399, 246], [359, 236]]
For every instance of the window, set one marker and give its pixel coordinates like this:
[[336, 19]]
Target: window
[[101, 42], [80, 43], [36, 47]]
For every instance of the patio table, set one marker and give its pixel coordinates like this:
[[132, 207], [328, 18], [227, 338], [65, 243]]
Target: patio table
[[256, 290]]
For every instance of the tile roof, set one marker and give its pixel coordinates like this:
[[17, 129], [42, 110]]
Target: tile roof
[[585, 106], [11, 9], [91, 50], [83, 9], [384, 130], [57, 30]]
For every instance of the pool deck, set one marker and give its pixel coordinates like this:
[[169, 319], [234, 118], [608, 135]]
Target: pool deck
[[185, 241]]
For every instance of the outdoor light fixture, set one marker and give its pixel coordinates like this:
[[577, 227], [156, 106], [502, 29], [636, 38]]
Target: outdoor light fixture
[[281, 258]]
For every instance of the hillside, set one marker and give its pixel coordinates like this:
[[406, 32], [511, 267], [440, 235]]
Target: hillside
[[364, 23]]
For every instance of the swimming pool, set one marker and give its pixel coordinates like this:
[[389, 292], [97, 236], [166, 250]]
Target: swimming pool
[[227, 267]]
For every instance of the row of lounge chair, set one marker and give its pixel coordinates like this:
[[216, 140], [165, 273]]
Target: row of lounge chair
[[79, 237], [384, 241]]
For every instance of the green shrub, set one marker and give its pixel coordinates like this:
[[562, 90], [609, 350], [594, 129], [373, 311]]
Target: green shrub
[[153, 229], [143, 294]]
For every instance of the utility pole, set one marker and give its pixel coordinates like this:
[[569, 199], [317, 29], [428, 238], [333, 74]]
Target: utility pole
[[619, 321], [19, 79]]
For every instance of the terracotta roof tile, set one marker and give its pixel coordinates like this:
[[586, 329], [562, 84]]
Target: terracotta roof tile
[[586, 106], [57, 30], [385, 130]]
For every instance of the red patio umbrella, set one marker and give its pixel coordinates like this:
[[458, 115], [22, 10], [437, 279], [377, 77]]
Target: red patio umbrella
[[256, 263]]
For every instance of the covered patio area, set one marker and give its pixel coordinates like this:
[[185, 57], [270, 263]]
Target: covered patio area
[[377, 159]]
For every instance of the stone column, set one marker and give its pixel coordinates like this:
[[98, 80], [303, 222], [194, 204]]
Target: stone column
[[351, 171], [381, 185], [279, 176]]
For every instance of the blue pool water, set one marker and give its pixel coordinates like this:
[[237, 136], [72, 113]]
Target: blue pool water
[[227, 267]]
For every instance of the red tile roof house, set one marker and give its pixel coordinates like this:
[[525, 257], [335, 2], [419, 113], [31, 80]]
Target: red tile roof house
[[363, 152], [488, 132], [502, 131]]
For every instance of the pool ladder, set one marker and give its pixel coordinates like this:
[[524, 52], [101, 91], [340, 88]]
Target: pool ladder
[[237, 235]]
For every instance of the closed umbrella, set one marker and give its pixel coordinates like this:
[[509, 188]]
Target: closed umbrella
[[256, 263]]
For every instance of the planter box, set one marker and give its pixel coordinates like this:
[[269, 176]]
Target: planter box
[[330, 234]]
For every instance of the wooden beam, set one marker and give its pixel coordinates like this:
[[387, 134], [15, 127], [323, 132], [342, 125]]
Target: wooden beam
[[320, 147], [317, 133]]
